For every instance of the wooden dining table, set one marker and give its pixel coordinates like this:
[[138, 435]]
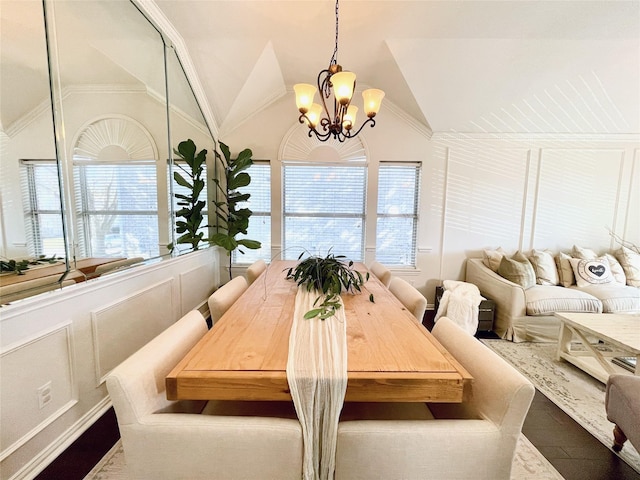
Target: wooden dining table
[[391, 357]]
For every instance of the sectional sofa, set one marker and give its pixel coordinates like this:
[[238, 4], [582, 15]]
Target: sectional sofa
[[529, 288]]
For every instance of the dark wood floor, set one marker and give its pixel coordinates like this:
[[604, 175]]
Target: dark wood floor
[[573, 451]]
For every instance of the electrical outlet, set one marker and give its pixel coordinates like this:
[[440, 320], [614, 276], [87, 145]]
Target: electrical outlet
[[44, 395]]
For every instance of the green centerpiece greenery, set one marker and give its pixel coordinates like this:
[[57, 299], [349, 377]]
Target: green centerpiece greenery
[[19, 266], [328, 276], [233, 219]]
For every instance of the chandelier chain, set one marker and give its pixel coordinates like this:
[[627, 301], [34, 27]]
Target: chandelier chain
[[334, 58]]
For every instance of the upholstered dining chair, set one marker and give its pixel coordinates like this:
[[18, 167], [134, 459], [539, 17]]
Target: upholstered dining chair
[[409, 296], [197, 439], [622, 404], [381, 272], [220, 300], [29, 288], [473, 439], [255, 270]]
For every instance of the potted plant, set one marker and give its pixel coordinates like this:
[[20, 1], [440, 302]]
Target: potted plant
[[328, 276], [190, 217], [233, 218]]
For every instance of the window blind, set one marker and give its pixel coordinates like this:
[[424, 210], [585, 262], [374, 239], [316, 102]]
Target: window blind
[[324, 210], [117, 208], [42, 207], [260, 221], [397, 218]]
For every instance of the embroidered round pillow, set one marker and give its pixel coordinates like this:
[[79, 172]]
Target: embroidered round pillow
[[591, 272]]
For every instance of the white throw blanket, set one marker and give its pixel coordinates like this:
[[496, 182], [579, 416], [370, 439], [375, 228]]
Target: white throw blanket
[[460, 302], [317, 377]]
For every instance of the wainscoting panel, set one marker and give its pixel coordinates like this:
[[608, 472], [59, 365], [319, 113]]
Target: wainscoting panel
[[123, 327], [31, 402], [486, 191], [195, 285], [585, 182]]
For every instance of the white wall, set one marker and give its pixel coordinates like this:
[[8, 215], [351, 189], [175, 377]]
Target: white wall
[[517, 191], [72, 338]]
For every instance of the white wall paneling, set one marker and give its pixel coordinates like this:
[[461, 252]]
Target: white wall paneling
[[193, 290], [73, 337], [586, 183], [125, 326], [30, 402]]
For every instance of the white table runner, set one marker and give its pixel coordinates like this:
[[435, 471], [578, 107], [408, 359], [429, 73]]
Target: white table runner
[[317, 377]]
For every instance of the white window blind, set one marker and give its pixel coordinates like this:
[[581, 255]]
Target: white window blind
[[42, 207], [117, 208], [260, 221], [397, 219], [324, 209]]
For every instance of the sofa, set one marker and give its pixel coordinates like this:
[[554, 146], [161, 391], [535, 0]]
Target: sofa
[[529, 288]]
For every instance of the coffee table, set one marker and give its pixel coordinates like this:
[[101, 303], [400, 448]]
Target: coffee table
[[620, 332]]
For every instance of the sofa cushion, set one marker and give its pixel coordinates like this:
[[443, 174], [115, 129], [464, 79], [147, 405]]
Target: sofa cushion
[[583, 253], [616, 269], [630, 262], [591, 272], [517, 269], [565, 270], [547, 299], [491, 258], [545, 267], [615, 298]]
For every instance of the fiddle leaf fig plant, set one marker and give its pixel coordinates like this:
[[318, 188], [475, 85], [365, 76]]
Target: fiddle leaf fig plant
[[232, 217], [190, 217]]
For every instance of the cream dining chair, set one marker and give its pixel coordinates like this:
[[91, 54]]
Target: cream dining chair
[[381, 272], [165, 440], [255, 270], [409, 296], [475, 439], [220, 300]]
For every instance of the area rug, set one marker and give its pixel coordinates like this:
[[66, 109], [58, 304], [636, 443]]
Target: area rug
[[528, 464], [578, 394]]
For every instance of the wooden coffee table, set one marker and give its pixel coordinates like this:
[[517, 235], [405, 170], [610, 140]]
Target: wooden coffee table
[[620, 332]]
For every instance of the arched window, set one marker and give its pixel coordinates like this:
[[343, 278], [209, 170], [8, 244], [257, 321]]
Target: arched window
[[116, 190]]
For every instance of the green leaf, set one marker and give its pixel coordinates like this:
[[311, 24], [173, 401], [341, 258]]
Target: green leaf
[[251, 244], [312, 313]]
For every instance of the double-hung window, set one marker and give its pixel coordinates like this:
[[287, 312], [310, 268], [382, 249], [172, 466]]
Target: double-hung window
[[260, 221], [42, 207], [117, 208], [324, 210], [397, 222]]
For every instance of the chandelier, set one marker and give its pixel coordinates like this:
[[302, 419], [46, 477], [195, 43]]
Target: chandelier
[[339, 84]]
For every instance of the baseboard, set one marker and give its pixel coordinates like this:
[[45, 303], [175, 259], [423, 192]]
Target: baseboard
[[38, 463]]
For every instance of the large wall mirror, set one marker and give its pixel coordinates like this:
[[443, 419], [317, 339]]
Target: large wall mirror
[[86, 184]]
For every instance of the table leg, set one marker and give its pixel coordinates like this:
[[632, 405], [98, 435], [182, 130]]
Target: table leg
[[564, 340]]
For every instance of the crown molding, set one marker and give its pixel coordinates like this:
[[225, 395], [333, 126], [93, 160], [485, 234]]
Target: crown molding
[[173, 38]]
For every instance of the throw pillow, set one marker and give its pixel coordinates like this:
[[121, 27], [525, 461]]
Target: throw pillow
[[565, 270], [583, 253], [630, 262], [616, 269], [591, 272], [545, 267], [517, 269], [491, 258]]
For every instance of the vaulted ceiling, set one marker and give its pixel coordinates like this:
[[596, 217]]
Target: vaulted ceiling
[[465, 66]]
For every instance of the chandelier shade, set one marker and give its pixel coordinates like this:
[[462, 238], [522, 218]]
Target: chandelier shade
[[339, 86]]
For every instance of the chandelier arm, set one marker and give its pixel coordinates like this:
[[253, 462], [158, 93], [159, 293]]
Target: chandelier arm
[[369, 120]]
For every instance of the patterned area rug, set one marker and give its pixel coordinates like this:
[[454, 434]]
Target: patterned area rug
[[528, 464], [578, 394]]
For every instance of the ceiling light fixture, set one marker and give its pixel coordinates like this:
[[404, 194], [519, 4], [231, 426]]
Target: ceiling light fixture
[[341, 85]]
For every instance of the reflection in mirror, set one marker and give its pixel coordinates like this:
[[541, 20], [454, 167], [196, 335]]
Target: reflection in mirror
[[32, 245], [111, 115], [110, 61], [187, 122]]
